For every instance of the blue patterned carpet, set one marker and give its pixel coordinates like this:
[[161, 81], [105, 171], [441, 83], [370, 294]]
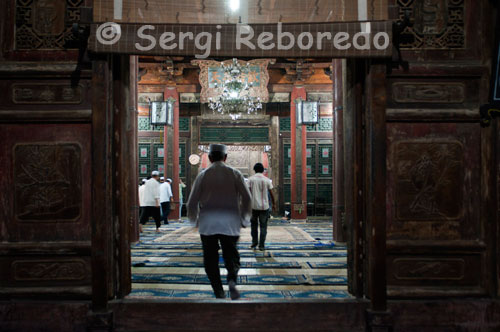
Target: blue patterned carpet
[[300, 261]]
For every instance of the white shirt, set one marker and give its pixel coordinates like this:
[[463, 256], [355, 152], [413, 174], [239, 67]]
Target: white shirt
[[141, 195], [165, 192], [151, 192], [219, 201], [259, 188]]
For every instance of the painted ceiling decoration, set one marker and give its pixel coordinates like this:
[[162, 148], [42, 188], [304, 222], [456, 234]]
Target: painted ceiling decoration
[[212, 76]]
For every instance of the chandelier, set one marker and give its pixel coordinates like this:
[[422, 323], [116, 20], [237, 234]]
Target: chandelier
[[234, 99]]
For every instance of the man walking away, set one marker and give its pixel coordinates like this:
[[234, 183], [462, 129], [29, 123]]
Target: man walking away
[[151, 201], [141, 198], [165, 198], [181, 198], [220, 204], [260, 188]]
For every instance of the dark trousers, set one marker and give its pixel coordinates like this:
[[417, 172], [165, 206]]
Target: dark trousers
[[210, 244], [259, 217], [165, 209], [151, 211]]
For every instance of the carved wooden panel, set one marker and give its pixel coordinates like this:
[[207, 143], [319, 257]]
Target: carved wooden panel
[[46, 24], [47, 182], [433, 184], [428, 180], [436, 24], [43, 93], [459, 270], [428, 92], [47, 271], [44, 180], [43, 270], [438, 93]]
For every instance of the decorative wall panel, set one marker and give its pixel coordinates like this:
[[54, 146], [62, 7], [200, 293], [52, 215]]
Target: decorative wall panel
[[46, 24], [324, 125], [212, 77], [43, 270], [44, 93], [234, 135], [429, 269], [45, 182], [429, 180], [415, 92], [144, 124], [433, 175], [184, 124], [49, 95], [435, 24], [459, 270]]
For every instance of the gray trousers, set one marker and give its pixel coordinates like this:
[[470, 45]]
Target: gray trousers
[[259, 217]]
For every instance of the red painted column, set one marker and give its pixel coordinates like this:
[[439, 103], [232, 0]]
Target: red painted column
[[173, 164], [298, 159]]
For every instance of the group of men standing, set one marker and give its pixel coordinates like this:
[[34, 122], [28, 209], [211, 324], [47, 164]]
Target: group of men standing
[[220, 204], [155, 197]]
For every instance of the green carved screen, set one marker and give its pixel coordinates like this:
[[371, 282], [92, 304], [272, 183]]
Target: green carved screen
[[325, 160], [151, 157], [325, 193], [311, 160], [234, 135], [158, 154], [144, 124], [319, 176], [287, 160], [311, 192], [182, 160], [324, 125], [184, 124], [144, 151], [287, 194]]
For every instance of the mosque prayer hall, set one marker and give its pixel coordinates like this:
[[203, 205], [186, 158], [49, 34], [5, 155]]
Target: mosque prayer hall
[[250, 165]]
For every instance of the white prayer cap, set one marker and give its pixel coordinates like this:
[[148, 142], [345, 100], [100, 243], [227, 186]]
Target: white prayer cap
[[218, 148], [169, 180], [155, 173], [162, 178], [143, 180]]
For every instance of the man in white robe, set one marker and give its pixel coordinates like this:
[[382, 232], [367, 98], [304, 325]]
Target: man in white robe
[[166, 197], [220, 204], [151, 201]]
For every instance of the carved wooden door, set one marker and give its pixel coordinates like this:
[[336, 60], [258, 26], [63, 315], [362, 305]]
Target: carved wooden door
[[439, 157], [46, 153]]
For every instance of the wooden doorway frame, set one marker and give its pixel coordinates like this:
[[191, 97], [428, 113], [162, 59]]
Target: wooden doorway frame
[[110, 252]]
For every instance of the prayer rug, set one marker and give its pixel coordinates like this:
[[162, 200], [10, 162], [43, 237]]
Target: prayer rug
[[242, 280]]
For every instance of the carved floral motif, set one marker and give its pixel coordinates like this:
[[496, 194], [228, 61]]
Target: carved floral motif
[[47, 93], [429, 178], [46, 24], [429, 269], [435, 24], [48, 182], [419, 92], [48, 270]]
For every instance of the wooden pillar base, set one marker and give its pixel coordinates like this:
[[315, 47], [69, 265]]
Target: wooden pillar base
[[100, 321], [379, 321]]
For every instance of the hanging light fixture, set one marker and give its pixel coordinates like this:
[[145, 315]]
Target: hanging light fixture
[[162, 112], [234, 98], [234, 5], [307, 112]]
